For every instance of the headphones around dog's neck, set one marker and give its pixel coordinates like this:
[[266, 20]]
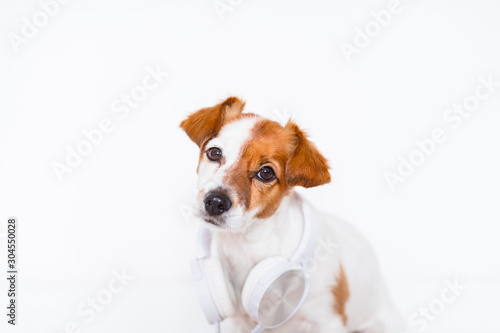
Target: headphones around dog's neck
[[274, 289]]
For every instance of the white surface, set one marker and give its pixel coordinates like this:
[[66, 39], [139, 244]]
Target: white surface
[[122, 207]]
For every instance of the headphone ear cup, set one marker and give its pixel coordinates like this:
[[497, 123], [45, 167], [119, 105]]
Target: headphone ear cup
[[219, 287], [254, 276]]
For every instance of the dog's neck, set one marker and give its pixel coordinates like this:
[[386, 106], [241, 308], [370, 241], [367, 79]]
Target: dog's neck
[[278, 235]]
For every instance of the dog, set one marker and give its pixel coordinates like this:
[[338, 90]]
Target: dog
[[247, 170]]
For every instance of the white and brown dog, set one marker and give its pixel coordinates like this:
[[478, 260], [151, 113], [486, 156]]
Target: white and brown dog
[[248, 167]]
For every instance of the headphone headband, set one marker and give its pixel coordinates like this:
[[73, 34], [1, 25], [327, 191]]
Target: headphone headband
[[307, 245]]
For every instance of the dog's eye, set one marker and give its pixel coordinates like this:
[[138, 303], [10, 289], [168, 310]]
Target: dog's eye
[[266, 174], [214, 154]]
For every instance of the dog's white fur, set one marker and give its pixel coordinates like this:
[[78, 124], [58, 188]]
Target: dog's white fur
[[245, 241]]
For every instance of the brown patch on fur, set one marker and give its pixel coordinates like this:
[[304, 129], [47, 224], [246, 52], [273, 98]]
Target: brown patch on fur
[[341, 294], [204, 124], [306, 167], [294, 159], [268, 145]]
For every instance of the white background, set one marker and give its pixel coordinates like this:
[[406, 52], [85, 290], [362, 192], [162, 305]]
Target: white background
[[121, 208]]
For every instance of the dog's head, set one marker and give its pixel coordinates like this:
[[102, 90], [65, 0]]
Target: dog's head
[[247, 164]]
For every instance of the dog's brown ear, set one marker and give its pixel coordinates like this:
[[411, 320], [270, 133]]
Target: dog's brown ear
[[306, 166], [206, 123]]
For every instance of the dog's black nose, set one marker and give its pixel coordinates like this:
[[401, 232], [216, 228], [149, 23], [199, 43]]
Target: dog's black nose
[[216, 203]]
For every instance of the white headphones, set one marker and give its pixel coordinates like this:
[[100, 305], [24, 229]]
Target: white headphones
[[274, 289]]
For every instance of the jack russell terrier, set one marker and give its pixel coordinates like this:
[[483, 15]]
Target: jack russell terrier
[[280, 265]]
